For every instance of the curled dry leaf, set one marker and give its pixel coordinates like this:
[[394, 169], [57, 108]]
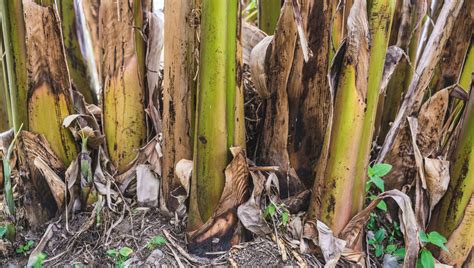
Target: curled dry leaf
[[184, 171], [330, 245], [437, 179], [148, 186], [56, 185], [223, 223], [409, 225], [272, 187], [429, 132], [250, 213], [393, 57], [251, 36], [5, 139], [257, 67]]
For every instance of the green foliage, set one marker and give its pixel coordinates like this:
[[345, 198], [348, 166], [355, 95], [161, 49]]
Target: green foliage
[[426, 259], [434, 238], [8, 231], [383, 242], [39, 259], [3, 231], [156, 242], [375, 173], [277, 214], [7, 175], [120, 255], [250, 11], [25, 247]]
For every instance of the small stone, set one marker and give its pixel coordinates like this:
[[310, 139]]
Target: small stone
[[154, 258]]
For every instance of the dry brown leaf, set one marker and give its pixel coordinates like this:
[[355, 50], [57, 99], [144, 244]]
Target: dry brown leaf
[[331, 246], [250, 213], [251, 36], [39, 203], [56, 185], [429, 132], [148, 186], [437, 179], [223, 223], [153, 65], [257, 67], [423, 73], [184, 171]]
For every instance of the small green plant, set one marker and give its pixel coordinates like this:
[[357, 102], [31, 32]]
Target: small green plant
[[25, 247], [120, 256], [277, 213], [156, 242], [375, 173], [426, 259], [377, 241], [8, 231], [383, 242], [3, 231], [39, 259], [7, 183]]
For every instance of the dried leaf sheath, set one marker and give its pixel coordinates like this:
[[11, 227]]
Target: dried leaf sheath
[[122, 79], [49, 99], [179, 92]]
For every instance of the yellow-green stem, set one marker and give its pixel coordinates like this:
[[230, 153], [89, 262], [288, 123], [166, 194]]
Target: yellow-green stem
[[210, 143], [13, 27], [380, 15], [268, 14]]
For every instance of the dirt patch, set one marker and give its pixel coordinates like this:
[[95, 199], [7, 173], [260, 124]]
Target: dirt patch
[[134, 229]]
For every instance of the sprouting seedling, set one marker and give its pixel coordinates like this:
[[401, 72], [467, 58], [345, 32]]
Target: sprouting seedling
[[120, 256], [274, 210], [38, 259], [375, 173], [156, 242], [25, 247], [7, 175]]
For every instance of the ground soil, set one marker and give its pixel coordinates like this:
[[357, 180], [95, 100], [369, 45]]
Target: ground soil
[[88, 246]]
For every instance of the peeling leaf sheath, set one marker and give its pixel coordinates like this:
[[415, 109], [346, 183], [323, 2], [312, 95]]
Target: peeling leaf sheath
[[179, 91], [346, 134], [123, 80], [49, 100], [429, 59]]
